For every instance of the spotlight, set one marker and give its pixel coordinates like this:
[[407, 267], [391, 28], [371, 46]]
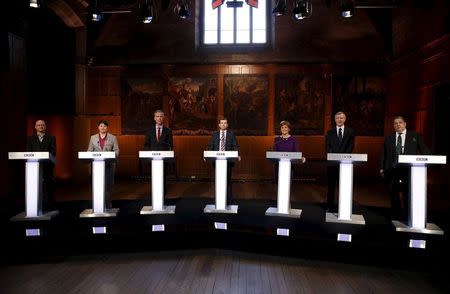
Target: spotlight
[[280, 8], [95, 11], [146, 12], [182, 10], [35, 3], [302, 9], [96, 17], [347, 8]]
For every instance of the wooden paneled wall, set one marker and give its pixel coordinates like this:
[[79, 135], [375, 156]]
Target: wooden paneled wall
[[102, 101]]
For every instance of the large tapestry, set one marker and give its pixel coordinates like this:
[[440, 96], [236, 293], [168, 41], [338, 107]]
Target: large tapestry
[[140, 98], [245, 103], [363, 100], [300, 99], [193, 105]]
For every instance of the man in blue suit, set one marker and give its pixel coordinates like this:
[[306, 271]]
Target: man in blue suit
[[224, 140]]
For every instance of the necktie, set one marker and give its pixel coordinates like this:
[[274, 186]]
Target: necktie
[[222, 141], [340, 134], [398, 146], [159, 133]]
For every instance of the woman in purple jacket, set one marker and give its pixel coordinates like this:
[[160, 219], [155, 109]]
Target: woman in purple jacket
[[285, 142]]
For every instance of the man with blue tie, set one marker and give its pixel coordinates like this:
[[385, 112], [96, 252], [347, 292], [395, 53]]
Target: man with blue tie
[[224, 140], [340, 139], [397, 177]]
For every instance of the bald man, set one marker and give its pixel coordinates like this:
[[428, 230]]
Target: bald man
[[43, 142]]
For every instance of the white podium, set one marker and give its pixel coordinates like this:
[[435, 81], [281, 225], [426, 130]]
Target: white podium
[[98, 160], [33, 185], [346, 162], [285, 160], [417, 222], [157, 158], [221, 159]]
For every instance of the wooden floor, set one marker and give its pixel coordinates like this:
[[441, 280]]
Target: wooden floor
[[206, 271]]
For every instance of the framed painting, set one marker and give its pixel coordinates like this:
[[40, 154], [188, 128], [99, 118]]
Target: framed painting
[[245, 103], [300, 99], [363, 99], [193, 105], [140, 98]]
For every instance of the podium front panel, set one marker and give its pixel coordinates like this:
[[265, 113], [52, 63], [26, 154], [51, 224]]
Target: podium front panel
[[156, 154], [349, 157], [221, 155], [278, 155], [100, 155], [422, 159]]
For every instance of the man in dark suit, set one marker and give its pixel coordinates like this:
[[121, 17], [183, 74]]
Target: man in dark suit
[[43, 142], [224, 140], [159, 138], [397, 177], [340, 139]]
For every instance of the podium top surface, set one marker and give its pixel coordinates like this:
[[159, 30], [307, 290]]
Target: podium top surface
[[156, 154], [280, 155], [346, 157], [31, 156], [99, 155], [220, 154], [422, 159]]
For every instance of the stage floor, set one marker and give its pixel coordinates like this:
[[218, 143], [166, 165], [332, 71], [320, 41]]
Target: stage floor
[[250, 230]]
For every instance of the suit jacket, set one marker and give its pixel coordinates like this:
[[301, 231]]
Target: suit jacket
[[413, 145], [110, 144], [230, 142], [48, 144], [165, 141], [333, 145]]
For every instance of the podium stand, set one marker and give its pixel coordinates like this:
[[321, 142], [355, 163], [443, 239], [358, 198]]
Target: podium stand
[[285, 160], [98, 160], [33, 185], [221, 159], [346, 162], [417, 222], [157, 158]]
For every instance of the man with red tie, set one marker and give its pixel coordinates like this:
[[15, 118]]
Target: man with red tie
[[159, 138], [224, 140]]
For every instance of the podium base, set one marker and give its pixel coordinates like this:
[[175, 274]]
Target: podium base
[[211, 208], [429, 229], [165, 210], [293, 213], [108, 213], [356, 219], [44, 216]]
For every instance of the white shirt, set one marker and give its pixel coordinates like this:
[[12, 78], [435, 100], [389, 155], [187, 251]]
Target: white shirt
[[337, 130]]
